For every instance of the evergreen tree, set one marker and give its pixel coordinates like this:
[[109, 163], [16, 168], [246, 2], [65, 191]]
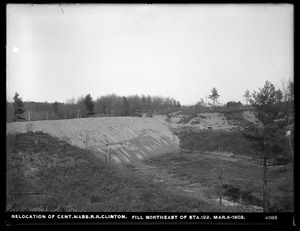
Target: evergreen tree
[[18, 107], [174, 104], [144, 104], [214, 95], [291, 90], [264, 100], [126, 106], [279, 95], [264, 103], [55, 106], [89, 105]]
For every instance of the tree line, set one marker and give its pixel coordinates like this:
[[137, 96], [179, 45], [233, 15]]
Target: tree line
[[284, 93], [114, 105], [85, 106]]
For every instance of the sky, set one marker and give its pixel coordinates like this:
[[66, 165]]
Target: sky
[[56, 52]]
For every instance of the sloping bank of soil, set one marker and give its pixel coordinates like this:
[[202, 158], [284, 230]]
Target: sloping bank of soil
[[118, 139], [48, 175]]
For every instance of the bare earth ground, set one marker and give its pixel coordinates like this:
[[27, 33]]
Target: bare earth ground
[[123, 139], [209, 120], [151, 151]]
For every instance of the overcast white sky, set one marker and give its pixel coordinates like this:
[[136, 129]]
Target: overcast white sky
[[179, 51]]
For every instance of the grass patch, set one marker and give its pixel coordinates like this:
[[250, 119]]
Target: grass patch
[[239, 176], [196, 165], [205, 140], [46, 174]]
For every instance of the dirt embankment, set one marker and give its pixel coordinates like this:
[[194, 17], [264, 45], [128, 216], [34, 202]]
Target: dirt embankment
[[214, 120], [118, 139]]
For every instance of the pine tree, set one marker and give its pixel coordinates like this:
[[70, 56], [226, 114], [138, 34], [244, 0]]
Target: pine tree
[[214, 95], [89, 105], [291, 90], [55, 106], [18, 107], [144, 104], [279, 95], [126, 106], [174, 104], [263, 102]]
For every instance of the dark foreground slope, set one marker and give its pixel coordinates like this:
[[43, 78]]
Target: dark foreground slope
[[46, 174]]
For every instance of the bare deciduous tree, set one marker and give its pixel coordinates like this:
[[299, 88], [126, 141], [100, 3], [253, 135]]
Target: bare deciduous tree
[[247, 96]]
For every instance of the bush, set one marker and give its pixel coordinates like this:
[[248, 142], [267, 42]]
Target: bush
[[234, 104]]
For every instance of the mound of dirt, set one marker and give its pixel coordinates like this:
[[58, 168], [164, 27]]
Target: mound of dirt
[[212, 120], [118, 139], [250, 116], [215, 120]]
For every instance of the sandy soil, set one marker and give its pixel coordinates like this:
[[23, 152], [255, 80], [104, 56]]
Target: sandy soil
[[249, 116], [204, 121], [118, 139], [213, 120]]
